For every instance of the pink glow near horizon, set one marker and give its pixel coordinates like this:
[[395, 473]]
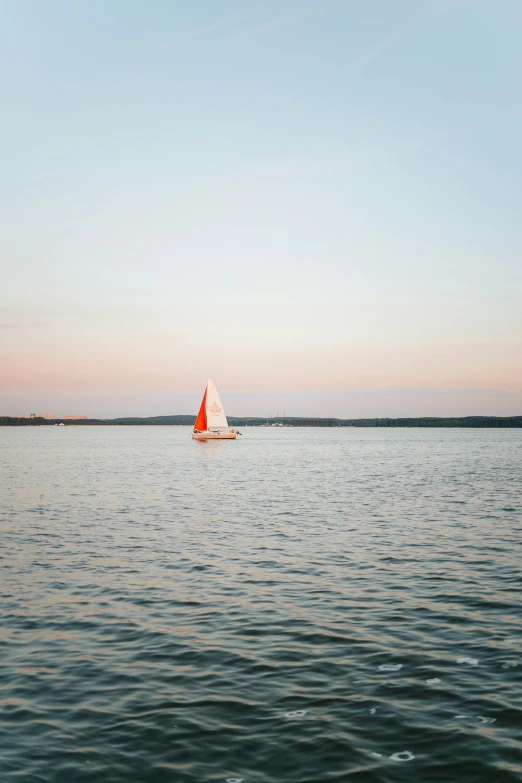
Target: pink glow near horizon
[[128, 368], [448, 380]]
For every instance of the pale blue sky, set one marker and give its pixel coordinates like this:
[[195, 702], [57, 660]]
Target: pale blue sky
[[318, 197]]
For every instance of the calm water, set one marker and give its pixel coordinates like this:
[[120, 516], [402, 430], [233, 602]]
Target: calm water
[[298, 606]]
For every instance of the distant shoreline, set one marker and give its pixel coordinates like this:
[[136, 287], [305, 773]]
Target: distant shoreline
[[286, 421]]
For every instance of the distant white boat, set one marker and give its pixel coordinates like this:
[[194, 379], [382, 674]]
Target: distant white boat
[[211, 423]]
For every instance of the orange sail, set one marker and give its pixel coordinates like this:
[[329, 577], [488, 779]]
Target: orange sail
[[201, 421]]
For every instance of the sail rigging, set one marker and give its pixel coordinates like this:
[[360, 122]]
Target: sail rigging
[[211, 422]]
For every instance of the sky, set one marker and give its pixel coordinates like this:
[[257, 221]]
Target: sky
[[315, 202]]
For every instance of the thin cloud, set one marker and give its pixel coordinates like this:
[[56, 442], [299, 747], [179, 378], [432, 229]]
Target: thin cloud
[[224, 24], [372, 392], [234, 30], [8, 327], [381, 48], [276, 23]]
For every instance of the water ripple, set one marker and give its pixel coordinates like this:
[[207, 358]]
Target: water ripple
[[301, 606]]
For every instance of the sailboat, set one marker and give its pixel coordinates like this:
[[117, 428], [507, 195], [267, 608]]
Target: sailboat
[[211, 423]]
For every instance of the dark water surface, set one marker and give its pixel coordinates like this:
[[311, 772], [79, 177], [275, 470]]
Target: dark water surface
[[168, 606]]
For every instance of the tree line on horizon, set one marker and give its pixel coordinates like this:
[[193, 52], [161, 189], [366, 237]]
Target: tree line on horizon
[[294, 421]]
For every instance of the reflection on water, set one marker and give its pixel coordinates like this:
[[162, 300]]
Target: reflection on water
[[300, 605]]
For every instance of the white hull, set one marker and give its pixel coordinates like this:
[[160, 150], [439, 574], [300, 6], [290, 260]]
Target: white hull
[[208, 435]]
